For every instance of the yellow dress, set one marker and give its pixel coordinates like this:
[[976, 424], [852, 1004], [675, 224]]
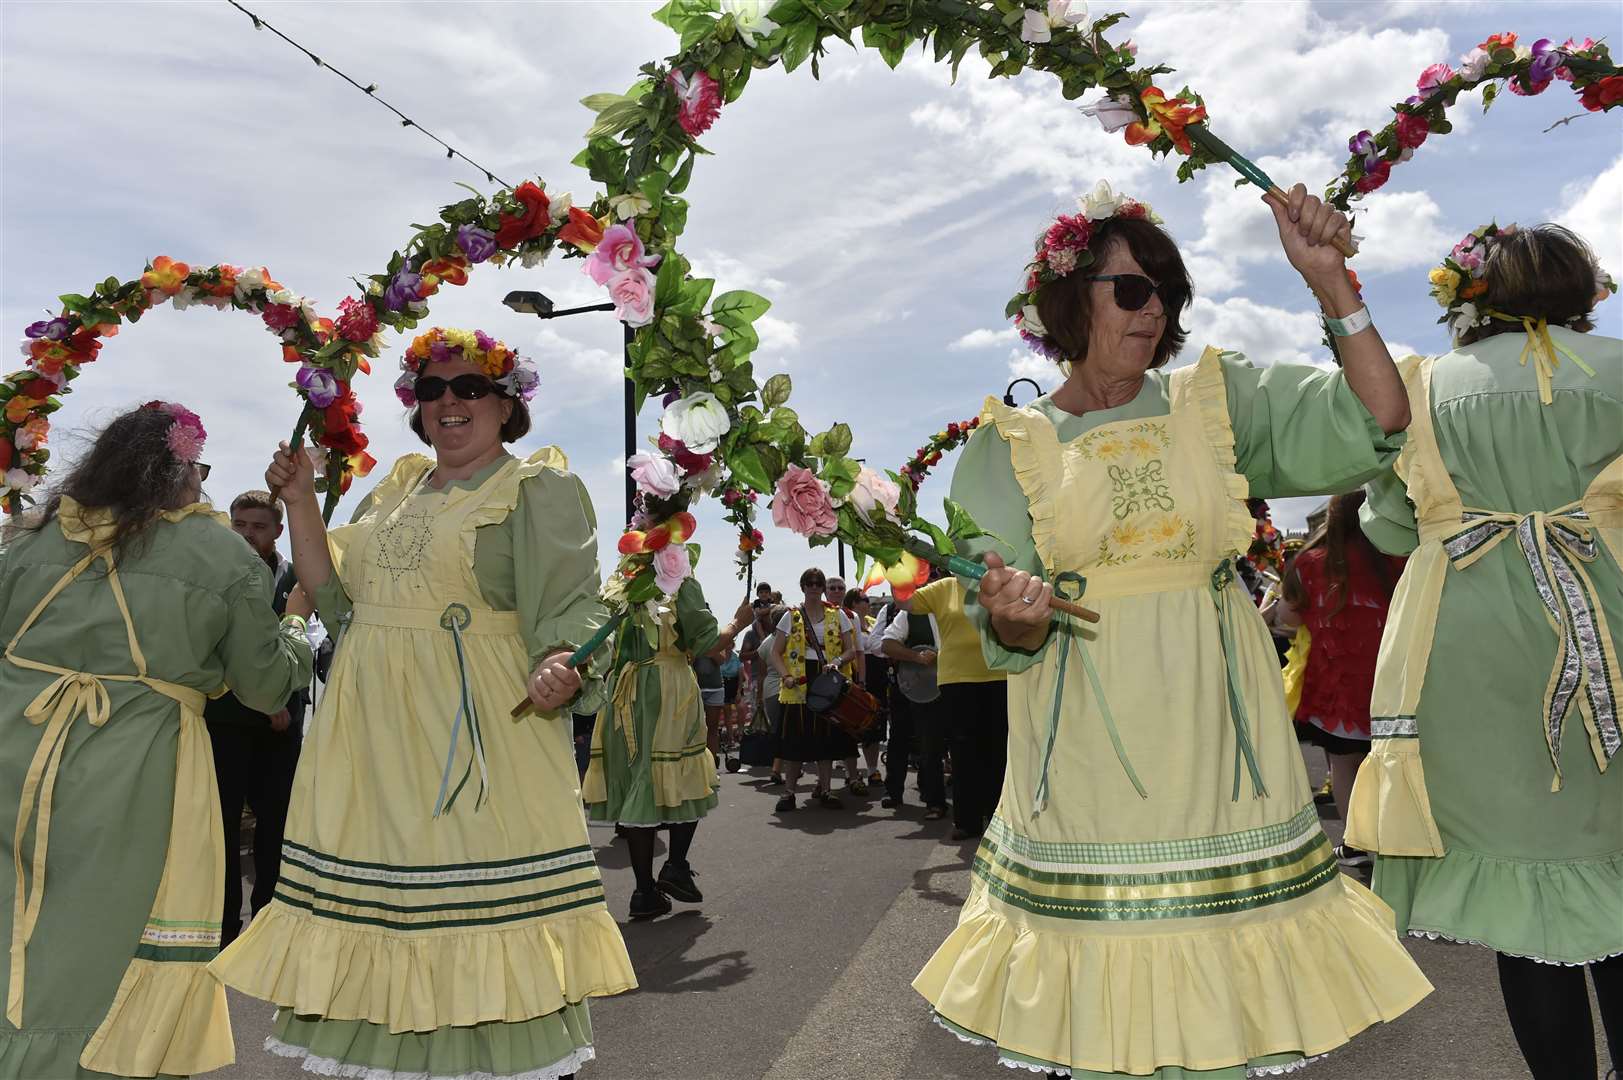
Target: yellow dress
[[440, 911], [1154, 895]]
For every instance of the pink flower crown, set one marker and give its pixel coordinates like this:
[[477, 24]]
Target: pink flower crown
[[1063, 249], [186, 435], [515, 375]]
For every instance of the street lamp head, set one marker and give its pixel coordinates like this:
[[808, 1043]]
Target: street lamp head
[[528, 303]]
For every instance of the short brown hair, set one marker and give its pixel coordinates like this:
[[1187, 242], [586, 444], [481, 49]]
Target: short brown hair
[[514, 428], [811, 575], [1543, 272], [258, 500], [1066, 306]]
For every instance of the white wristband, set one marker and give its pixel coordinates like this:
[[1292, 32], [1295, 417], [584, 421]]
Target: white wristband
[[1355, 323]]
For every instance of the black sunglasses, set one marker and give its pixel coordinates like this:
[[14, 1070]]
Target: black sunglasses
[[466, 387], [202, 470], [1133, 291]]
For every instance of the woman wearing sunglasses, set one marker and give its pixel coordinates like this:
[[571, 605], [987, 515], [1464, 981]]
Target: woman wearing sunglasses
[[440, 912], [1154, 895]]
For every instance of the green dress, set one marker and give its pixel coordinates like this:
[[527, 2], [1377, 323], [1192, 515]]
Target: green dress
[[1527, 871], [199, 603], [1154, 895], [650, 764]]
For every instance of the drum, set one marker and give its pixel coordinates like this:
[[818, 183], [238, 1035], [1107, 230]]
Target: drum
[[855, 711], [917, 682]]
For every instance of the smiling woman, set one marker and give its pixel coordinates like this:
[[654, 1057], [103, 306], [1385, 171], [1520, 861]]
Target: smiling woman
[[409, 936]]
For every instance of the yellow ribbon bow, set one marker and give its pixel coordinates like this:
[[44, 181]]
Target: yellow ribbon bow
[[1545, 352]]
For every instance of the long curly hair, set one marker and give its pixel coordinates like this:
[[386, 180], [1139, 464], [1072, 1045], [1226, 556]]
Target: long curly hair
[[128, 471], [1339, 535]]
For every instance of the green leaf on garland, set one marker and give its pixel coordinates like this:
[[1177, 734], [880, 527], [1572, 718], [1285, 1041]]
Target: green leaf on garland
[[739, 305], [1490, 92], [798, 44], [960, 525], [695, 294], [680, 178], [596, 102], [943, 543], [839, 440], [668, 285], [776, 391], [654, 185], [745, 463]]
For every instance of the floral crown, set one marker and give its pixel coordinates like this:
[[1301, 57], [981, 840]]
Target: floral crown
[[186, 435], [514, 374], [1063, 249], [1461, 279]]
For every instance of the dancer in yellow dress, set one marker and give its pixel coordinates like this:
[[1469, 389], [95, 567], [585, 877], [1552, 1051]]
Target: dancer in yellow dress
[[440, 912], [1154, 896]]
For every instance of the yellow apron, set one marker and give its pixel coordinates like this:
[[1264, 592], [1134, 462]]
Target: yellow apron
[[169, 1014], [1390, 812]]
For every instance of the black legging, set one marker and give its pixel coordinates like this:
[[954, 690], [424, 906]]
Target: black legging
[[1548, 1006], [641, 843]]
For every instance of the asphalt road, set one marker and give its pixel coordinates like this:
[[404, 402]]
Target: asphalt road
[[797, 966]]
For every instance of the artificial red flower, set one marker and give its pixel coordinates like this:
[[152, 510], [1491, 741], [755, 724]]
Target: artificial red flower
[[280, 317], [1357, 286], [452, 271], [1167, 116], [338, 424], [583, 230], [227, 283], [1505, 40], [904, 578], [656, 538], [531, 221], [1474, 289], [1603, 94], [291, 355], [1375, 176], [631, 542], [698, 101], [37, 388], [1069, 232], [7, 454], [682, 525], [357, 321], [685, 459], [1411, 130]]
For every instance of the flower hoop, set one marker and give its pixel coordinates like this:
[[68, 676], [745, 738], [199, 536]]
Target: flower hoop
[[57, 348], [1498, 62]]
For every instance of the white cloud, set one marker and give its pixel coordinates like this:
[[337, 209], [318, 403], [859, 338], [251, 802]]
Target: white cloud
[[1594, 210], [1267, 335], [1400, 230], [1026, 364], [983, 338], [777, 335]]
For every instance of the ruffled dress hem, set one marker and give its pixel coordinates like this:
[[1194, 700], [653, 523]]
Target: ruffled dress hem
[[1302, 982], [601, 813], [1564, 913], [425, 983], [326, 1066]]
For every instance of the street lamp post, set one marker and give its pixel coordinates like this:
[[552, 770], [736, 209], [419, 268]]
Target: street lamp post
[[534, 303]]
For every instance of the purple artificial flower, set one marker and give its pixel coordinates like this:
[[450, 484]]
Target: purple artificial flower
[[1546, 58], [440, 352], [402, 290], [1363, 144], [476, 243], [525, 380], [674, 395], [405, 388], [56, 329], [318, 385], [483, 340]]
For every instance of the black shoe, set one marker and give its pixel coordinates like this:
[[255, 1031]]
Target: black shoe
[[676, 881], [774, 780], [785, 804], [649, 904], [890, 802], [828, 799], [1352, 858], [962, 834]]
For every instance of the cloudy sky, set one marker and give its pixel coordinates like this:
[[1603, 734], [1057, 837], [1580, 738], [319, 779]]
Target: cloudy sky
[[886, 214]]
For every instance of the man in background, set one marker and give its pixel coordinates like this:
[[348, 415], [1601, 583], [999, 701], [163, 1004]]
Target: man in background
[[254, 754]]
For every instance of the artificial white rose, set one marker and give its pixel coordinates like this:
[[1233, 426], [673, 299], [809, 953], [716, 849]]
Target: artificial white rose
[[1474, 64], [558, 208], [1039, 26], [875, 490], [1031, 322], [629, 206], [697, 421], [248, 280], [749, 16], [1463, 321], [1113, 113], [1101, 202]]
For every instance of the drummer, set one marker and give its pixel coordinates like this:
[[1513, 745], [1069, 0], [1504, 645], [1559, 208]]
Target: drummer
[[973, 711]]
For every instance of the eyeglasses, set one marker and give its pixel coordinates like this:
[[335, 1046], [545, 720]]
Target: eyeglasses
[[1133, 291], [202, 470], [466, 387]]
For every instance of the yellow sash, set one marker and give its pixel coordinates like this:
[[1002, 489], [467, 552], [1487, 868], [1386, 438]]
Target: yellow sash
[[168, 1014], [794, 652]]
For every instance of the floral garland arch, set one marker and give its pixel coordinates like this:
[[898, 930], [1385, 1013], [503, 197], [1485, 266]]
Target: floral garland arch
[[1498, 63], [329, 354]]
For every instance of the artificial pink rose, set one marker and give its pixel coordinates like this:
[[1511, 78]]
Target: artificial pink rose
[[620, 250], [1433, 77], [1411, 130], [801, 505], [633, 294], [654, 474], [671, 567]]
